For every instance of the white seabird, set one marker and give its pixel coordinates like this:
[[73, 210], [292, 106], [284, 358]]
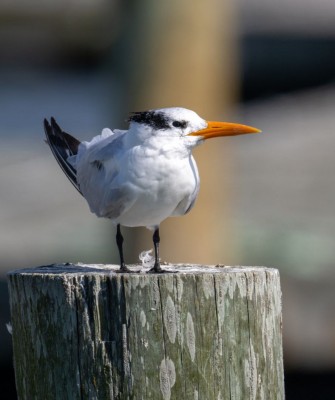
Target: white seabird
[[143, 175]]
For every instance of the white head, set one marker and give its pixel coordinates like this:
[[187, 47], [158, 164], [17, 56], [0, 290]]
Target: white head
[[167, 122], [180, 122]]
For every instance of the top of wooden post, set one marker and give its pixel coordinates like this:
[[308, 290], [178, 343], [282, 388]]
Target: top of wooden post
[[89, 269]]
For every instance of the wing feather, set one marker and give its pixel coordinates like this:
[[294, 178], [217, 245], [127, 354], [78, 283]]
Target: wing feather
[[97, 171], [62, 146]]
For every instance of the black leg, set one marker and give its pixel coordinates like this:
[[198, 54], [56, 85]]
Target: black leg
[[156, 240], [119, 242]]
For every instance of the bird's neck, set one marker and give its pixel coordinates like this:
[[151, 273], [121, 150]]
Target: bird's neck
[[171, 146]]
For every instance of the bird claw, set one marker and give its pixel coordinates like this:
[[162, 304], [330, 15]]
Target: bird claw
[[157, 269], [124, 269]]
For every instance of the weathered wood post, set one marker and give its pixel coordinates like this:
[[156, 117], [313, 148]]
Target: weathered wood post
[[87, 332]]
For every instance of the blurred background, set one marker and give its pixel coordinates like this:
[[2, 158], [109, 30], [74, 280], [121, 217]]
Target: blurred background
[[265, 200]]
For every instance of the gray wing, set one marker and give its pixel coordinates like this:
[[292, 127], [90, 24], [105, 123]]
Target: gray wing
[[97, 174], [118, 202]]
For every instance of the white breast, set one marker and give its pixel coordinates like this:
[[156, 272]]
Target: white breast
[[160, 185]]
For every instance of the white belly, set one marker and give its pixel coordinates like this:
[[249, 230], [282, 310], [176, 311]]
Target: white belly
[[164, 188]]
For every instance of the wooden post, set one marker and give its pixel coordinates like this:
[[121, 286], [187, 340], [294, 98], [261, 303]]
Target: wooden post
[[86, 332]]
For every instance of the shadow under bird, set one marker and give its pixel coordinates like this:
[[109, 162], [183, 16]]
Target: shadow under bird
[[143, 175]]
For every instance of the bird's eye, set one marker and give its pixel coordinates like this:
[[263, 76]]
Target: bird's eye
[[179, 124]]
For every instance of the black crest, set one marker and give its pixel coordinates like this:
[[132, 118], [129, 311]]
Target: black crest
[[156, 120]]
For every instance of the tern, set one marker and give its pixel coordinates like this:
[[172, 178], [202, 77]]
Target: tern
[[143, 175]]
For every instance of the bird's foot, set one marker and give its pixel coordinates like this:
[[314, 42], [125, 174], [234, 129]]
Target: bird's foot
[[157, 269], [124, 269]]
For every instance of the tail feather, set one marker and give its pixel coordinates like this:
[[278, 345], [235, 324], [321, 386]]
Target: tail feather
[[62, 146]]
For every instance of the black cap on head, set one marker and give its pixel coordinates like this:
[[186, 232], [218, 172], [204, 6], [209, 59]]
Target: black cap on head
[[156, 120]]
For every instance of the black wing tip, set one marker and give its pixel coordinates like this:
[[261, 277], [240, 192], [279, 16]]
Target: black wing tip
[[51, 125], [47, 128], [55, 126], [51, 128], [46, 123], [52, 121]]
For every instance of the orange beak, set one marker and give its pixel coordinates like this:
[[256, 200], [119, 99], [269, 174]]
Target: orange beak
[[216, 129]]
